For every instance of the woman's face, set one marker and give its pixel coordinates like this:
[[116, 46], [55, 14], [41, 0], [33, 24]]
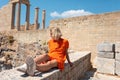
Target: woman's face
[[51, 35]]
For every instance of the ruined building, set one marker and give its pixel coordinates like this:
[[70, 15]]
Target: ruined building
[[83, 32], [10, 16]]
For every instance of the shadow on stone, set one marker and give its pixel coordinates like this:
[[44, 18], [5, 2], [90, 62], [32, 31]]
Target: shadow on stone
[[25, 75], [89, 74], [38, 74]]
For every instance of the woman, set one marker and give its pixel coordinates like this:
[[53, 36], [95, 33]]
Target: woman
[[55, 58]]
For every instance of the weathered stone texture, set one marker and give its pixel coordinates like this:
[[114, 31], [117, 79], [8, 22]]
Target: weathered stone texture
[[105, 47], [117, 67], [5, 17], [117, 56], [108, 61], [117, 47], [109, 55], [31, 36], [105, 65]]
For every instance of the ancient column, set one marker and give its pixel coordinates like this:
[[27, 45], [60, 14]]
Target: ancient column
[[27, 17], [43, 19], [13, 16], [36, 24], [18, 16]]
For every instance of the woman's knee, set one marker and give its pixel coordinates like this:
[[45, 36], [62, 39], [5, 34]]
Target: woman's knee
[[43, 67], [47, 66], [53, 63]]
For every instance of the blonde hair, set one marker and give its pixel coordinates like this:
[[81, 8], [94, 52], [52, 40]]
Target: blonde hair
[[55, 33]]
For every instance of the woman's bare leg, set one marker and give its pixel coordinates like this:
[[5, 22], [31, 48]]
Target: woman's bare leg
[[46, 66], [41, 58]]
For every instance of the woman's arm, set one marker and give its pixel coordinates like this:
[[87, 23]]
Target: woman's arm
[[68, 59]]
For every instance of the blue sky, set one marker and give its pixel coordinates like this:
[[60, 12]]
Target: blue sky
[[56, 9]]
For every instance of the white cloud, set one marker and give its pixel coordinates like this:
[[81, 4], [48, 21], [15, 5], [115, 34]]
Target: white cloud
[[70, 13]]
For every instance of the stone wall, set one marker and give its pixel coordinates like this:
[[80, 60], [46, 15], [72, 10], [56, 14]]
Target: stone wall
[[5, 17], [31, 36], [31, 27]]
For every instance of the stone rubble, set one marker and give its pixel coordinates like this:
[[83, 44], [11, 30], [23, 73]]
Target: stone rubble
[[13, 54]]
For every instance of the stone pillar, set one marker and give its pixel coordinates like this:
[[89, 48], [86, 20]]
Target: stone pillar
[[13, 16], [18, 16], [27, 17], [36, 24], [43, 19]]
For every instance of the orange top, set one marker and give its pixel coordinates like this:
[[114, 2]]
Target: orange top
[[58, 51]]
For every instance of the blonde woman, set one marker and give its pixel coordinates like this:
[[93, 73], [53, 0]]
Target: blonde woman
[[55, 58]]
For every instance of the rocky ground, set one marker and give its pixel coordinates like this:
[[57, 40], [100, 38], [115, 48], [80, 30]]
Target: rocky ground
[[13, 54]]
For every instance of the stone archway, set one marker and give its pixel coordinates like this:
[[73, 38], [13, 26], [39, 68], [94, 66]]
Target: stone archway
[[18, 3]]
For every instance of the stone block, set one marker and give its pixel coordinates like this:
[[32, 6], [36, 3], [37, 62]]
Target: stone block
[[117, 47], [105, 65], [105, 47], [117, 67], [110, 55], [117, 56]]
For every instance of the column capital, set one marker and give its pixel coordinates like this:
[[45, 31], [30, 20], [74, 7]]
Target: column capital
[[37, 8]]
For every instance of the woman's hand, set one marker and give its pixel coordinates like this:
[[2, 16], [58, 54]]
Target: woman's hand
[[71, 64]]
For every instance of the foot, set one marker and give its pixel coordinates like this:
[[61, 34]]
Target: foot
[[31, 66], [22, 68]]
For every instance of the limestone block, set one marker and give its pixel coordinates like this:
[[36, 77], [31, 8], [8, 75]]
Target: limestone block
[[117, 47], [117, 56], [105, 65], [106, 46], [117, 67], [106, 54]]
